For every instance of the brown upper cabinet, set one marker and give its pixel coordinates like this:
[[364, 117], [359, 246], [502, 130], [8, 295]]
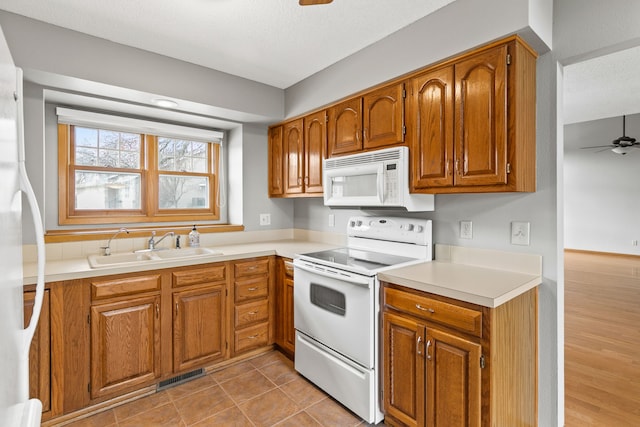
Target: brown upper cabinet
[[296, 151], [276, 156], [469, 124], [371, 121], [472, 123]]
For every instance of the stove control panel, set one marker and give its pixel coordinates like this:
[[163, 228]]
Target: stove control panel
[[396, 229]]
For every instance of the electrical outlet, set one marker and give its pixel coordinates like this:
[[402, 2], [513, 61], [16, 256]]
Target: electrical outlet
[[634, 243], [332, 220], [466, 230], [520, 233], [265, 219]]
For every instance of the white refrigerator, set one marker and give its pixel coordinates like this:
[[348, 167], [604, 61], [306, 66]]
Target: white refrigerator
[[16, 409]]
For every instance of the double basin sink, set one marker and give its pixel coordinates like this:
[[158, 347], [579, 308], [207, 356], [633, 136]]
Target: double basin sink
[[144, 256]]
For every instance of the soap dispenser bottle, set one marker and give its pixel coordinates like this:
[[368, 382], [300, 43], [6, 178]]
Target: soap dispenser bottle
[[194, 238]]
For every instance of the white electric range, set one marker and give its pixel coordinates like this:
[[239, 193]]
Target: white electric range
[[337, 307]]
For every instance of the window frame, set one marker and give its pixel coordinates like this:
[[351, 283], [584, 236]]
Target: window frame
[[149, 184]]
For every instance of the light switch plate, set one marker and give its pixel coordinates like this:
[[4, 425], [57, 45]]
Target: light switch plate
[[466, 230], [520, 233]]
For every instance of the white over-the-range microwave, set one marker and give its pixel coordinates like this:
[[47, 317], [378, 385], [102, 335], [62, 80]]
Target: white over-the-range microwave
[[374, 179]]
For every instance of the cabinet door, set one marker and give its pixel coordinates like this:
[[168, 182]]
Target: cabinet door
[[481, 118], [453, 380], [430, 122], [345, 127], [293, 157], [125, 345], [276, 157], [383, 113], [315, 142], [289, 338], [198, 327], [403, 369], [40, 351]]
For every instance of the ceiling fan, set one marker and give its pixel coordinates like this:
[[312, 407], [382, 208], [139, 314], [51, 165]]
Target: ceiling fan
[[621, 145], [312, 2]]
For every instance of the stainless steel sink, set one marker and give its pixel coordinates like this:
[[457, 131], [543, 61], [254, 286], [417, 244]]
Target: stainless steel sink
[[144, 256]]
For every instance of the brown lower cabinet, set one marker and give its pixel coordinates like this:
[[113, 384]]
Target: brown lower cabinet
[[109, 338], [451, 363], [285, 334]]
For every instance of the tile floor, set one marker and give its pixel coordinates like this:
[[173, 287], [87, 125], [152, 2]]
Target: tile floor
[[263, 391]]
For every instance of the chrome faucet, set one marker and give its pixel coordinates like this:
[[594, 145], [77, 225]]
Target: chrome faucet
[[107, 249], [153, 242]]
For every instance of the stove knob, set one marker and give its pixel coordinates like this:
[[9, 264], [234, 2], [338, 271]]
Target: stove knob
[[409, 227], [352, 224], [419, 229], [359, 223]]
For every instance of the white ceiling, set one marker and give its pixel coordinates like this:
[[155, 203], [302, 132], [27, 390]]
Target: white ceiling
[[602, 87], [276, 42]]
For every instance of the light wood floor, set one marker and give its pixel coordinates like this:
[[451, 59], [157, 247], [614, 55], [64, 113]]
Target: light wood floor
[[602, 340]]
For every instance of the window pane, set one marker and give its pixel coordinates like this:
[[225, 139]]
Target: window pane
[[183, 192], [109, 139], [86, 156], [130, 142], [86, 137], [178, 155], [108, 158], [101, 190]]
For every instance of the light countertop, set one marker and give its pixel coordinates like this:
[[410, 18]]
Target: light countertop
[[484, 286], [77, 268]]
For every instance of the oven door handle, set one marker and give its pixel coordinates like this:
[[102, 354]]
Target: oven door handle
[[361, 281]]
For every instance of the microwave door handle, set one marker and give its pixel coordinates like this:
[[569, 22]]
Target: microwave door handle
[[380, 183]]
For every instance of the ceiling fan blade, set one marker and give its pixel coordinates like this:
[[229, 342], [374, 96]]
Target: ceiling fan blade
[[312, 2], [599, 146]]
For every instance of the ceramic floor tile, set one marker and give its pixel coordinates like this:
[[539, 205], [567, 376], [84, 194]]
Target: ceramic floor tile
[[141, 405], [303, 392], [190, 387], [269, 408], [203, 404], [268, 358], [330, 413], [231, 417], [232, 371], [103, 419], [247, 386], [163, 416], [280, 372], [301, 419]]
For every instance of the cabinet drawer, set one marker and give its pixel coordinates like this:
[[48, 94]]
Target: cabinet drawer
[[461, 318], [216, 273], [257, 287], [252, 312], [250, 268], [251, 337], [101, 289]]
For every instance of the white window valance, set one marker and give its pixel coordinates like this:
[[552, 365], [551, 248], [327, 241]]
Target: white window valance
[[129, 124]]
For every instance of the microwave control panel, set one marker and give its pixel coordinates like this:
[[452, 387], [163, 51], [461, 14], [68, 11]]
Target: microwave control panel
[[391, 183]]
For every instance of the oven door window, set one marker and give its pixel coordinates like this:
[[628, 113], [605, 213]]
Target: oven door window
[[328, 299]]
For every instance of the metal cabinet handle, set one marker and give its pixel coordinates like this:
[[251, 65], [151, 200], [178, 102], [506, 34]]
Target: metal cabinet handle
[[253, 313], [430, 310], [418, 344], [157, 311], [253, 289], [427, 350], [176, 309], [252, 337]]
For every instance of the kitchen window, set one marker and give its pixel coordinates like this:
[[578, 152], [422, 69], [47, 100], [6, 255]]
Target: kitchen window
[[116, 170]]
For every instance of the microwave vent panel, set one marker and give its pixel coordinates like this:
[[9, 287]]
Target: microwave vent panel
[[362, 159]]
